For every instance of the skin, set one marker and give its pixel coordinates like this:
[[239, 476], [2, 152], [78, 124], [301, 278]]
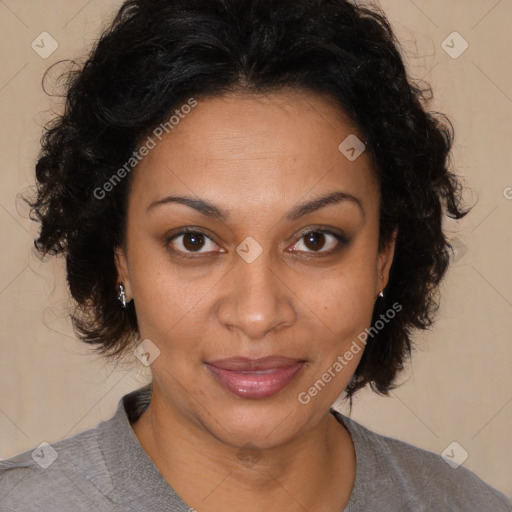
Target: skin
[[256, 157]]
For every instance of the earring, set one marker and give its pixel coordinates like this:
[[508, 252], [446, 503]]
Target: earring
[[121, 297], [381, 294]]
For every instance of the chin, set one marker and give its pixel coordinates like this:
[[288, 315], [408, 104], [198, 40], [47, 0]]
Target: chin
[[260, 423]]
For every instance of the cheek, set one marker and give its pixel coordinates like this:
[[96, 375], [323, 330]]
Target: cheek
[[172, 308], [168, 299], [343, 299], [343, 316]]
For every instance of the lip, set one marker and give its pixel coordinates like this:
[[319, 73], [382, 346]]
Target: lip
[[255, 378]]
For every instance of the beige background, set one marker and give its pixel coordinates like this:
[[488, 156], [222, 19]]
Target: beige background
[[458, 387]]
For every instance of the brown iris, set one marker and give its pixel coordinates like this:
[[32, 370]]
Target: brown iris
[[314, 240], [193, 241]]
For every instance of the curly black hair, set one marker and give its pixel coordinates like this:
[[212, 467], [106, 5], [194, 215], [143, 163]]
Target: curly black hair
[[156, 54]]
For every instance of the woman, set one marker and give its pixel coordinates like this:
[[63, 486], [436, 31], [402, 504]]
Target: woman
[[250, 194]]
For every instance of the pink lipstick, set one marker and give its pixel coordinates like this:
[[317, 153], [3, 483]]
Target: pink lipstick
[[255, 378]]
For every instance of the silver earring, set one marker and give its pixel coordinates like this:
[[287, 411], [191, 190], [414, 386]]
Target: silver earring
[[121, 297], [381, 294]]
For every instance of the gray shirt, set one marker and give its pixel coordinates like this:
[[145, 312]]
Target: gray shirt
[[106, 469]]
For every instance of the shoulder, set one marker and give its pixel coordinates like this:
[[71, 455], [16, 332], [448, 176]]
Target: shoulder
[[55, 477], [412, 477]]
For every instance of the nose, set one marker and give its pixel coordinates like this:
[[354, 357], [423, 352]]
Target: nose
[[256, 300]]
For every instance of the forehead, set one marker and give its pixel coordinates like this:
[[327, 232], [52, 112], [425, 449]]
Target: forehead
[[262, 148]]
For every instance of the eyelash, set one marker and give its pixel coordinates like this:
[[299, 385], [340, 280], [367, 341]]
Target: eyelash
[[342, 241]]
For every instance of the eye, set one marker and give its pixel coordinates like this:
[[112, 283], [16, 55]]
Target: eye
[[315, 241], [190, 241]]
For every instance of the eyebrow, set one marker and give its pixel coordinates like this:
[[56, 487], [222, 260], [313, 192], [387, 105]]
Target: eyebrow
[[210, 210]]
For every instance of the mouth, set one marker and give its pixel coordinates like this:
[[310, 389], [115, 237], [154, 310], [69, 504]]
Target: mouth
[[255, 378]]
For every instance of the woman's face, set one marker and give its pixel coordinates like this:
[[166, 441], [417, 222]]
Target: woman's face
[[262, 275]]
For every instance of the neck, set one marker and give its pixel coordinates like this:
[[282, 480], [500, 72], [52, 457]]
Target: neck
[[313, 472]]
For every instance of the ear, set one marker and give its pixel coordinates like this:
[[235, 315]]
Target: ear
[[122, 271], [384, 261]]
